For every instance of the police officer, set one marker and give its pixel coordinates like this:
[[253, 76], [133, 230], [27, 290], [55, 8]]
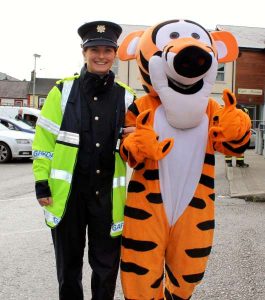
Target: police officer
[[80, 178]]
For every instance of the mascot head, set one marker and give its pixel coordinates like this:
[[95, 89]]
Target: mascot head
[[178, 61]]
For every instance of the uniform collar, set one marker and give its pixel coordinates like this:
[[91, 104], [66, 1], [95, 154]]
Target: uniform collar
[[92, 81]]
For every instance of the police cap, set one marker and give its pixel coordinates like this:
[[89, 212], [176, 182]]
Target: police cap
[[99, 33]]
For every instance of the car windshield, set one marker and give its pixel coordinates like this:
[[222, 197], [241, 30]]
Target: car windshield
[[20, 124]]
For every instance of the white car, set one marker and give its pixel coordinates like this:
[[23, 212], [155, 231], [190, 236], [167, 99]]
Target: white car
[[14, 144], [14, 124]]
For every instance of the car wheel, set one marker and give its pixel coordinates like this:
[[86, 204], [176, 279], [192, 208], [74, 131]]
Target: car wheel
[[5, 153]]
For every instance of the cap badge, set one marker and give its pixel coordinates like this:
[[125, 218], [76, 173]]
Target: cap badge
[[101, 28]]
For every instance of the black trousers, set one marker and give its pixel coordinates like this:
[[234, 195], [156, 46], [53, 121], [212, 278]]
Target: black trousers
[[87, 213]]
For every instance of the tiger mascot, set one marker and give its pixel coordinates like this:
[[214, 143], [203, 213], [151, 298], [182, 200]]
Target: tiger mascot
[[169, 212]]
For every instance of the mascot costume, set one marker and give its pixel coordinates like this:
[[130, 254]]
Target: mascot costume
[[169, 212]]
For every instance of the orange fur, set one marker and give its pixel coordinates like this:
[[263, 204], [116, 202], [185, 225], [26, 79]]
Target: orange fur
[[168, 230]]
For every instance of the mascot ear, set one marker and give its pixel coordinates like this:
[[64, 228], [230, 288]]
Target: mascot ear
[[128, 46], [226, 44]]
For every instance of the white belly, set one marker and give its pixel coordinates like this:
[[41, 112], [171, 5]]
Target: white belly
[[180, 170]]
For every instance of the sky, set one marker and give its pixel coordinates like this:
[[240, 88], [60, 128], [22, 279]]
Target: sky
[[49, 27]]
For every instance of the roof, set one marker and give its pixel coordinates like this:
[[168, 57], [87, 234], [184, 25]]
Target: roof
[[126, 29], [14, 89], [247, 37], [4, 76], [42, 85]]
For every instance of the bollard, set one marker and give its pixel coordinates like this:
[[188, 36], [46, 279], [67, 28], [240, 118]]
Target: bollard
[[259, 142]]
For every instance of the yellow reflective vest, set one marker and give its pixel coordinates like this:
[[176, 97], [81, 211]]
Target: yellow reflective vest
[[55, 152]]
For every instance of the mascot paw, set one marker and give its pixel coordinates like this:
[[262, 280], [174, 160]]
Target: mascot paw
[[229, 123], [143, 143]]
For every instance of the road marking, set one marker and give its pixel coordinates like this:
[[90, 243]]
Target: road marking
[[17, 199], [24, 231]]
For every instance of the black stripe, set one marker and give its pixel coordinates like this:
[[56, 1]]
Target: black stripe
[[193, 278], [171, 277], [197, 203], [145, 119], [125, 151], [157, 283], [139, 166], [209, 159], [145, 76], [207, 225], [198, 252], [144, 62], [133, 268], [134, 109], [135, 187], [151, 174], [212, 196], [166, 147], [156, 29], [207, 181], [230, 98], [137, 245], [146, 89], [241, 149], [240, 140], [136, 213], [155, 198], [67, 144]]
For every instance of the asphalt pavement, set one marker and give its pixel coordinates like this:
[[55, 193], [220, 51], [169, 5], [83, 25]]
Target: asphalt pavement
[[236, 268]]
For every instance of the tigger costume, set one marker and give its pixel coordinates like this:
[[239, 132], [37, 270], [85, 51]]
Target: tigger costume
[[169, 213]]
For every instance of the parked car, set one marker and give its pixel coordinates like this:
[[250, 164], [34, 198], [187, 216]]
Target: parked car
[[28, 114], [252, 138], [14, 144], [16, 124]]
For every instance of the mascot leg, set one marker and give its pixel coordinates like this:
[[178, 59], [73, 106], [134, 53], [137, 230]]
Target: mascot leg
[[187, 253], [144, 239]]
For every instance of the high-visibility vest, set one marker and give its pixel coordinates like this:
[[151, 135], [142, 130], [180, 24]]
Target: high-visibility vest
[[55, 153]]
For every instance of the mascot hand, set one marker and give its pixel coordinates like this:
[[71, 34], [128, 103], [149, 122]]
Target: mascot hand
[[229, 123], [143, 142]]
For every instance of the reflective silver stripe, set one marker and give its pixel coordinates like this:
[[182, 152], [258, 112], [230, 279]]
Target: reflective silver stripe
[[48, 125], [68, 137], [128, 99], [67, 86], [61, 174], [119, 181], [42, 154], [49, 217]]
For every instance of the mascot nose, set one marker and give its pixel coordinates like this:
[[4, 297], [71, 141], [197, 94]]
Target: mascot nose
[[192, 62]]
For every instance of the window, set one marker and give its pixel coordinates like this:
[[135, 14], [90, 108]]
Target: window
[[41, 102], [220, 72]]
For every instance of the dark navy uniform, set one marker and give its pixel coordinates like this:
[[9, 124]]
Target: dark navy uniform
[[100, 105]]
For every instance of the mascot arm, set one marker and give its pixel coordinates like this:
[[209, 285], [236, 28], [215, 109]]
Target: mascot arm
[[230, 127], [143, 142]]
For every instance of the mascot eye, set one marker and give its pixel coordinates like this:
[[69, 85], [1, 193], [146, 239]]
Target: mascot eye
[[195, 35], [174, 35]]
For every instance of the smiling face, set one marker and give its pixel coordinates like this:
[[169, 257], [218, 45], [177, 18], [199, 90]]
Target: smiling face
[[99, 59]]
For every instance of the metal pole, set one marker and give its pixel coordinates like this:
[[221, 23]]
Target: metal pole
[[34, 77]]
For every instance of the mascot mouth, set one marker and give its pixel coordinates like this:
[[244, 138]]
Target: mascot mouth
[[185, 89]]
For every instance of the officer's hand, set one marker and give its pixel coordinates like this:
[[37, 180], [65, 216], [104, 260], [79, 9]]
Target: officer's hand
[[127, 130], [45, 201]]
